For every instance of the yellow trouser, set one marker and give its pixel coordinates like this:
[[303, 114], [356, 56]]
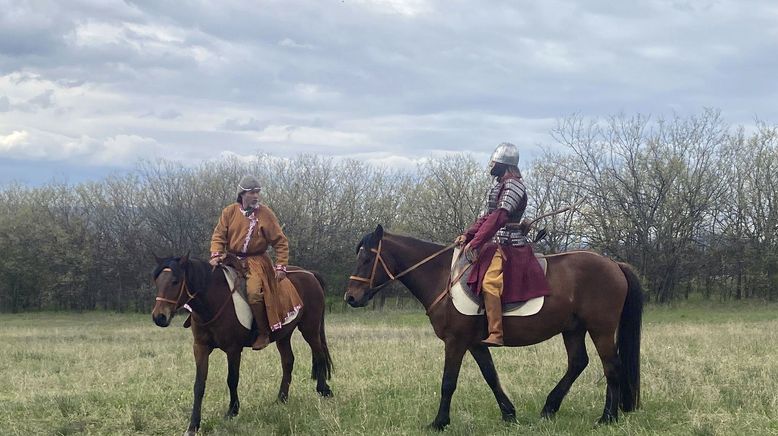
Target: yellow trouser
[[254, 288], [493, 278], [260, 278]]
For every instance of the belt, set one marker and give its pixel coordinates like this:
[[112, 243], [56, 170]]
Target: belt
[[245, 255]]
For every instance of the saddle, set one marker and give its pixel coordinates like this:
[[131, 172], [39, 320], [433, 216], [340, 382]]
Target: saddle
[[235, 274], [467, 303]]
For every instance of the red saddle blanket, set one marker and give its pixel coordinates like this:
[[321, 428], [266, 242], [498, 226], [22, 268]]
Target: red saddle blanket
[[523, 278]]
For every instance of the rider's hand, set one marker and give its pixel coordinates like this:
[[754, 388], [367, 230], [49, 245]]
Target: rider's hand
[[471, 254], [280, 275], [524, 226], [216, 260], [460, 240]]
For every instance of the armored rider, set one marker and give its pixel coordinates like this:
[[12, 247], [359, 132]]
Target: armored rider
[[504, 270]]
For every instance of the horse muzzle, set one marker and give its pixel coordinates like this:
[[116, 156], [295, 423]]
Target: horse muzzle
[[359, 297], [162, 315], [161, 320]]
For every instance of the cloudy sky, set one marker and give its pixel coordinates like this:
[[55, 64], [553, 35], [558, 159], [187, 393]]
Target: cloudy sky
[[88, 87]]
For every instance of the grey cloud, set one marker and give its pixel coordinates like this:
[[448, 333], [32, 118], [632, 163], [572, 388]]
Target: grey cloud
[[43, 100], [244, 125], [167, 114], [223, 74], [5, 104]]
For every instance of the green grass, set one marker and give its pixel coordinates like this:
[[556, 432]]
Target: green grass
[[707, 370]]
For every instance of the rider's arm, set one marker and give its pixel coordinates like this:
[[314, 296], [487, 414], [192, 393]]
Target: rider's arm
[[493, 222], [277, 239], [219, 237], [470, 233]]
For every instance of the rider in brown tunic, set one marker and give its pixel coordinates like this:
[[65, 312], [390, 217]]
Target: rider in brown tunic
[[246, 229]]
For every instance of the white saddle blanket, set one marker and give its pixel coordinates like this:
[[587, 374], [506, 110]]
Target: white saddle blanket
[[468, 304], [242, 309]]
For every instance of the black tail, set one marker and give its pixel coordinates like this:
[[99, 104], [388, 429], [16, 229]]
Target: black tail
[[628, 341], [322, 364]]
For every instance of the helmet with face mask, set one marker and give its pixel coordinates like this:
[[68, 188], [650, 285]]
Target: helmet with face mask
[[504, 158], [506, 153]]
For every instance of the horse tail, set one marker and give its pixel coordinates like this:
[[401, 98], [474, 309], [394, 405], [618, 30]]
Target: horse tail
[[321, 364], [628, 341]]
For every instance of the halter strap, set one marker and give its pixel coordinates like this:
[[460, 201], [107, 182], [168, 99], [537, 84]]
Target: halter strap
[[185, 287], [181, 290]]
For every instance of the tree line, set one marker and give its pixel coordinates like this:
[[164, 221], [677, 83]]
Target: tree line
[[691, 202]]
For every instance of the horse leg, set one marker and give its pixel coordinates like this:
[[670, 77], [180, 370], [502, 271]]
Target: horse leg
[[312, 333], [233, 375], [611, 365], [483, 358], [577, 359], [284, 345], [201, 354], [455, 351]]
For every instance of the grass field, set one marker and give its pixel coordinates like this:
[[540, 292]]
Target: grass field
[[706, 370]]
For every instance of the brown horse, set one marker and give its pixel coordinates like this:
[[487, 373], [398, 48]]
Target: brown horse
[[589, 293], [182, 281]]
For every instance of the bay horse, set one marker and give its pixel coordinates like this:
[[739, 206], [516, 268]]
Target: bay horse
[[589, 293], [183, 281]]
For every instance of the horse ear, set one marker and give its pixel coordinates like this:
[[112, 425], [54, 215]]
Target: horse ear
[[157, 259], [184, 259], [379, 232]]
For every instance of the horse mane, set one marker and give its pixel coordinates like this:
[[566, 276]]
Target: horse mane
[[411, 239], [197, 272], [370, 240]]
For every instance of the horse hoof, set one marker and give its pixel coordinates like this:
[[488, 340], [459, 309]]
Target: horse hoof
[[437, 426], [547, 414], [283, 398], [509, 417], [326, 393], [190, 433], [607, 419]]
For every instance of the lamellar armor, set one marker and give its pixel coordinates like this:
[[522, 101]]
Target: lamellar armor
[[511, 196]]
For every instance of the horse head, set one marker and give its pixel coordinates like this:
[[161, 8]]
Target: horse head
[[170, 280], [369, 276]]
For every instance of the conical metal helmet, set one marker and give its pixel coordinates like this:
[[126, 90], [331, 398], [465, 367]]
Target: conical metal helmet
[[506, 153]]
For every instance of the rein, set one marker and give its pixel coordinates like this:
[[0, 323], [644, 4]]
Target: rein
[[447, 290], [379, 259]]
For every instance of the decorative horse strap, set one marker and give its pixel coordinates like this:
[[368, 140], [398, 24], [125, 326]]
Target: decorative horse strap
[[392, 277]]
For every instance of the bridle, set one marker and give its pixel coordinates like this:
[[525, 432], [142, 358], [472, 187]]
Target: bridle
[[181, 290], [378, 259], [185, 288]]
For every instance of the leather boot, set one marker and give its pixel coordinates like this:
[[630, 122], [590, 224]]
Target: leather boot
[[263, 327], [493, 307]]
